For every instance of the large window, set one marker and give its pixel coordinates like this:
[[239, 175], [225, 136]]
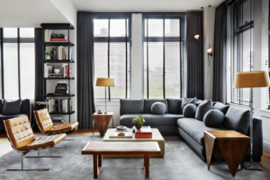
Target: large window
[[112, 43], [17, 63], [240, 48], [164, 56]]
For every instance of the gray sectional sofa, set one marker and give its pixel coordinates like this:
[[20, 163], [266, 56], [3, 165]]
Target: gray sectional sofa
[[190, 129]]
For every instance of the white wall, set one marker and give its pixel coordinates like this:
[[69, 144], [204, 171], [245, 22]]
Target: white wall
[[208, 28]]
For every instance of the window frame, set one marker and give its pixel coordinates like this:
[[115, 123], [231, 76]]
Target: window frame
[[127, 39], [17, 40], [181, 39]]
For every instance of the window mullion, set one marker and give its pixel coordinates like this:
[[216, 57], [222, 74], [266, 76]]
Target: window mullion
[[164, 96], [126, 56], [19, 71], [109, 90]]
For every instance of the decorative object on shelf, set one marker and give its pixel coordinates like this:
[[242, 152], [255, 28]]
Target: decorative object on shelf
[[48, 55], [61, 88], [251, 80], [105, 82], [138, 121], [197, 36]]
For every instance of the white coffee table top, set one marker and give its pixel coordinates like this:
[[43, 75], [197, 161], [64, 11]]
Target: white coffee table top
[[156, 136]]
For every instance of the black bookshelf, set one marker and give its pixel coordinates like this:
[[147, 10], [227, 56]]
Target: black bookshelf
[[46, 96]]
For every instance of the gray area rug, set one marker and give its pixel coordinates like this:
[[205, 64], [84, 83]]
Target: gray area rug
[[179, 163]]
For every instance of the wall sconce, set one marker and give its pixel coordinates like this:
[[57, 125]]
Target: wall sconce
[[197, 36], [210, 51]]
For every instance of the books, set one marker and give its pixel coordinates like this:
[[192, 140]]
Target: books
[[67, 70], [47, 35], [58, 120], [144, 132], [60, 105], [48, 69]]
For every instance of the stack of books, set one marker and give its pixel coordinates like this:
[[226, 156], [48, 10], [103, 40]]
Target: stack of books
[[144, 132], [67, 70], [59, 37], [60, 105], [58, 120]]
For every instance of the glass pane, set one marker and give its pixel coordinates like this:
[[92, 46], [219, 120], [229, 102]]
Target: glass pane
[[10, 32], [172, 27], [118, 61], [155, 69], [101, 27], [11, 88], [118, 28], [172, 70], [101, 66], [27, 64], [155, 27], [27, 33]]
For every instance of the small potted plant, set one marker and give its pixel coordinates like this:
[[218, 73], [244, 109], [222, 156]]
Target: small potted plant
[[138, 121]]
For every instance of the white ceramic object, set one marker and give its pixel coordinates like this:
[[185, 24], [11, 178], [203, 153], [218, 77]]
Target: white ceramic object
[[56, 71], [121, 127]]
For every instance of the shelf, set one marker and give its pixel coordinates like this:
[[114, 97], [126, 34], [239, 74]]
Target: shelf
[[58, 43], [53, 95], [58, 61], [63, 26], [59, 78], [72, 112]]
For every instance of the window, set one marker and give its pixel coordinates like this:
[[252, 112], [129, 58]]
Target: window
[[164, 56], [18, 63], [112, 43], [266, 48], [240, 48]]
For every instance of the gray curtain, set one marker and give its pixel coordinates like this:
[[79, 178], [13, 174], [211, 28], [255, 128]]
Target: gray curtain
[[85, 70], [39, 84], [219, 62], [195, 65]]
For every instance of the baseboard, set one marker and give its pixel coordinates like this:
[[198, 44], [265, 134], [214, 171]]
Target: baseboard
[[266, 146]]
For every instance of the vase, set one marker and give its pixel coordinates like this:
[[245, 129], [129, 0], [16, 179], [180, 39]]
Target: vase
[[138, 127]]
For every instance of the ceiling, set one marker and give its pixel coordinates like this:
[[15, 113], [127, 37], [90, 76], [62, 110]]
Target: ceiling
[[29, 13], [143, 5]]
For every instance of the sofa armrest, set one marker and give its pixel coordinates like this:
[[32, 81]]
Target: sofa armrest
[[257, 137], [25, 107]]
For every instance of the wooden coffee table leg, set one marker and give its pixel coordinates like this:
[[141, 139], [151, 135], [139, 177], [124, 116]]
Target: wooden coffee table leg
[[146, 165], [95, 166], [99, 160]]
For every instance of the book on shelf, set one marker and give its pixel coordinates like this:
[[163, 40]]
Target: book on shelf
[[59, 40], [48, 69], [58, 123], [67, 70], [144, 132], [60, 105], [47, 35], [55, 76]]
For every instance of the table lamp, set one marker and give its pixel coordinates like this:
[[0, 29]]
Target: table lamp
[[105, 82], [251, 80]]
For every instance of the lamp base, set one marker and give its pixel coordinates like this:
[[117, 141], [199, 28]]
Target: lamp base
[[252, 166]]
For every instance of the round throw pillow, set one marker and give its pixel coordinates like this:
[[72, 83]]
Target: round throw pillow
[[189, 110], [213, 118], [158, 108]]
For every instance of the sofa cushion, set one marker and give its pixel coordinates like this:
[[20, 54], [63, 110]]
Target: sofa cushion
[[237, 119], [202, 109], [12, 107], [189, 110], [213, 118], [158, 108], [151, 119], [148, 103], [174, 106], [131, 106], [222, 107], [195, 128], [186, 101]]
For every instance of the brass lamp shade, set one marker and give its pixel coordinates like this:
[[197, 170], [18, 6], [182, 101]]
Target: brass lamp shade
[[106, 82], [251, 79]]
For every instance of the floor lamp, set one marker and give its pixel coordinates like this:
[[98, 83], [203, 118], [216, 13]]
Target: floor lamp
[[105, 82], [251, 80]]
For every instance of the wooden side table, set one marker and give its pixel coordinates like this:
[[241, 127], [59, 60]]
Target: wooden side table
[[230, 144], [102, 121]]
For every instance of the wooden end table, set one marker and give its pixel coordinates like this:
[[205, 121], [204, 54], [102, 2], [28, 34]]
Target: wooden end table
[[102, 121], [97, 149], [230, 144]]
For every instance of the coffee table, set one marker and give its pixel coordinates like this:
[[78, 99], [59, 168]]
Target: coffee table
[[156, 137], [97, 149]]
